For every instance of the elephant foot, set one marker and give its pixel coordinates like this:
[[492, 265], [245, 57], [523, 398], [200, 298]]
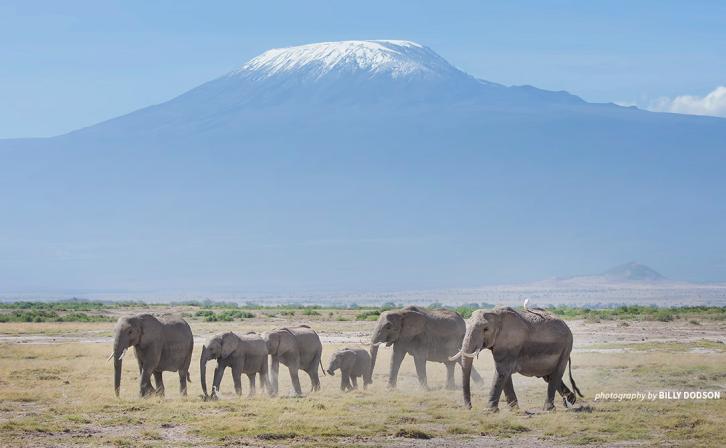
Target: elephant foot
[[491, 410], [451, 387], [514, 405], [390, 386], [549, 406]]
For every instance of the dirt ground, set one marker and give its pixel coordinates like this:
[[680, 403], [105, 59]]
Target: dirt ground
[[56, 390]]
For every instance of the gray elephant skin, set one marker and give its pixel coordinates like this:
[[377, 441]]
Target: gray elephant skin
[[297, 348], [161, 344], [532, 343], [353, 363], [245, 354], [427, 335]]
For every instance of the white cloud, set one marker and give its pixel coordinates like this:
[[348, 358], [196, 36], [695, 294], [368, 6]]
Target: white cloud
[[714, 104]]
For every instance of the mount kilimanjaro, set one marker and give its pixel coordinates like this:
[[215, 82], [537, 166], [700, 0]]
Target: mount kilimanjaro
[[357, 165]]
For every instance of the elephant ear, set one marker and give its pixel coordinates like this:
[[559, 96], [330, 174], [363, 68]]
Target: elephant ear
[[138, 326], [412, 323], [347, 358], [229, 344]]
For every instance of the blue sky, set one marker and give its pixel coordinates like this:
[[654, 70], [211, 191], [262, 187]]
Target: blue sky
[[70, 64]]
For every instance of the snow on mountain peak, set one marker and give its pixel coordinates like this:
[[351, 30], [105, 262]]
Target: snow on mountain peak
[[391, 58]]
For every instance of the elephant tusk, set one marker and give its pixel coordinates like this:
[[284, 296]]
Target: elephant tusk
[[468, 355], [123, 353], [376, 344], [109, 357], [456, 356]]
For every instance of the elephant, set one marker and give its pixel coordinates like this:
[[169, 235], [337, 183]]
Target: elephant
[[162, 344], [427, 335], [353, 363], [532, 343], [243, 354], [298, 348]]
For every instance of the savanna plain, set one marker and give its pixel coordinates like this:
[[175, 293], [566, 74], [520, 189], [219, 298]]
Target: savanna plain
[[56, 388]]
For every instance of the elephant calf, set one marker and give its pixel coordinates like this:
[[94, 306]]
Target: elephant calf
[[162, 344], [532, 343], [243, 354], [353, 363]]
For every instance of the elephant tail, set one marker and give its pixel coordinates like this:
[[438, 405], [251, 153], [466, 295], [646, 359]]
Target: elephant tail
[[320, 361], [189, 378], [572, 381]]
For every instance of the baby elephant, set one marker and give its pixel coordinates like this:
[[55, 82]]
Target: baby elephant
[[352, 362], [244, 354]]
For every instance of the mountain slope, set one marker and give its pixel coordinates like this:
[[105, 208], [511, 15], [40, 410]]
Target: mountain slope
[[358, 165]]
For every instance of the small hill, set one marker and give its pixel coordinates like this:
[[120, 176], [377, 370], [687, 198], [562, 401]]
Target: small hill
[[633, 272]]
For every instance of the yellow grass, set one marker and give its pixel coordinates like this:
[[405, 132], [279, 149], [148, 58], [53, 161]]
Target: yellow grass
[[62, 394]]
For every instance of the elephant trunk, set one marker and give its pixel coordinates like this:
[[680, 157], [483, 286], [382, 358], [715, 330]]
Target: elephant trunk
[[374, 355], [119, 350], [117, 375], [466, 380], [203, 370]]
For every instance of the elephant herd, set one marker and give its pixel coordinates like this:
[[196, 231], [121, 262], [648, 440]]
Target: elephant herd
[[531, 342]]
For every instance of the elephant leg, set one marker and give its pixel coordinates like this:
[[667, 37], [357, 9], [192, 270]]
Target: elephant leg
[[145, 388], [274, 372], [183, 382], [552, 387], [265, 382], [159, 384], [253, 386], [314, 378], [237, 379], [450, 383], [509, 393], [354, 380], [396, 360], [345, 381], [501, 375], [342, 381], [568, 397], [420, 361], [218, 374], [293, 367]]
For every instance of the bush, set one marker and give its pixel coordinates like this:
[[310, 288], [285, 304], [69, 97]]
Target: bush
[[43, 315], [224, 316], [368, 315]]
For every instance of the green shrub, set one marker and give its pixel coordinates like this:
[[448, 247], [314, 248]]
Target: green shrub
[[368, 315]]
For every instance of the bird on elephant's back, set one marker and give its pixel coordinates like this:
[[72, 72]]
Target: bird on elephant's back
[[162, 344], [532, 343], [427, 335]]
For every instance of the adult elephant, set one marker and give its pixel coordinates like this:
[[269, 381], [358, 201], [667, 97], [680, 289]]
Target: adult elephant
[[162, 344], [297, 348], [532, 343], [427, 335], [243, 354]]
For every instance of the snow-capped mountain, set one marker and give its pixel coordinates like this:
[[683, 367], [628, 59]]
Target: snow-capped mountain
[[377, 58], [364, 77], [357, 165]]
